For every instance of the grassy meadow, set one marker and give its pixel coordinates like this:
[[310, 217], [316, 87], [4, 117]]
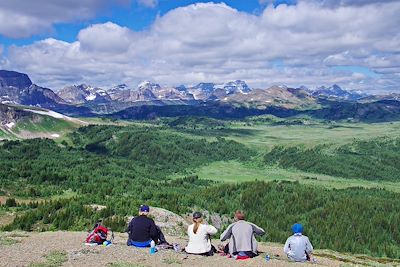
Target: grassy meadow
[[264, 136], [238, 172], [44, 124]]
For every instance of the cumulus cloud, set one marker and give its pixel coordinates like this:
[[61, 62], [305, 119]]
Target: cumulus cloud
[[335, 3], [294, 45], [21, 18]]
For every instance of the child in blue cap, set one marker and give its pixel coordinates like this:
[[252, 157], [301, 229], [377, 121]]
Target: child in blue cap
[[298, 247]]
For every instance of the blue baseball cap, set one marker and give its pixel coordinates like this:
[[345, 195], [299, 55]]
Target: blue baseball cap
[[297, 228], [144, 208]]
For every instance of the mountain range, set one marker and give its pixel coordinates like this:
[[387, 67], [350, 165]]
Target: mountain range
[[85, 100]]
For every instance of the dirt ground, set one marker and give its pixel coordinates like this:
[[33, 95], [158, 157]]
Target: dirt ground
[[30, 249]]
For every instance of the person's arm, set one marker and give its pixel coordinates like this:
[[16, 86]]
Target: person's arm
[[227, 233], [211, 230], [286, 248], [128, 229], [309, 247], [153, 231], [257, 230]]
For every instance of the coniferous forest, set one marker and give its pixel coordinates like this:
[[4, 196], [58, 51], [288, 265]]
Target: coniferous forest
[[122, 167]]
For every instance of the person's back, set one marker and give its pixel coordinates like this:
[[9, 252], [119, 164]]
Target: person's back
[[241, 235], [298, 247], [200, 242], [142, 229]]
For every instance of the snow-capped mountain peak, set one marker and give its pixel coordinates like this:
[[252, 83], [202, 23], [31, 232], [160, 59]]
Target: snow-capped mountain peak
[[121, 86], [335, 91], [237, 86], [147, 85]]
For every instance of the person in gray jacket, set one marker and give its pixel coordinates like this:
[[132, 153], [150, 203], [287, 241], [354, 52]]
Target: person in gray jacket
[[241, 235], [298, 247]]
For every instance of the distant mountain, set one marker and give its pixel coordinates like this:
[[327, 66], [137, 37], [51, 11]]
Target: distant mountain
[[35, 95], [17, 88], [374, 98], [120, 92], [145, 92], [206, 109], [234, 87], [14, 79], [379, 111], [336, 92], [218, 100], [274, 96], [213, 91], [147, 85], [81, 94]]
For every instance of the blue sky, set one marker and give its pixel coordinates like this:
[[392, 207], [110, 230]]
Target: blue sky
[[106, 42]]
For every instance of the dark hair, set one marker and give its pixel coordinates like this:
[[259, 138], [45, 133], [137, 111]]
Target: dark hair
[[197, 215]]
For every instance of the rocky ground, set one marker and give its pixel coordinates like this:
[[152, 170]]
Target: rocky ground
[[68, 249]]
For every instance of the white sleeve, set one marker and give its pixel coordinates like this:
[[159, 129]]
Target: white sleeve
[[309, 247], [211, 230]]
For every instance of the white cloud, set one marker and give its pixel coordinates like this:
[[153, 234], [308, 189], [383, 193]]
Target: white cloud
[[294, 45], [24, 18], [335, 3]]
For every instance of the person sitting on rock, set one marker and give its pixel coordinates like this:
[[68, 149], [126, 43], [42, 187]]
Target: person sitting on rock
[[298, 247], [142, 230], [241, 234], [199, 237]]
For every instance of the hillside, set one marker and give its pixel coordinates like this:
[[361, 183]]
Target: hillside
[[30, 122]]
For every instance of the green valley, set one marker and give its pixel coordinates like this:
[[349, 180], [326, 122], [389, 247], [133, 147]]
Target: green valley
[[217, 166]]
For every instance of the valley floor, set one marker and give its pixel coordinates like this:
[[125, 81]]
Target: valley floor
[[67, 249]]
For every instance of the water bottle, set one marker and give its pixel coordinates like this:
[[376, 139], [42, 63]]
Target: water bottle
[[152, 247], [177, 247], [267, 257]]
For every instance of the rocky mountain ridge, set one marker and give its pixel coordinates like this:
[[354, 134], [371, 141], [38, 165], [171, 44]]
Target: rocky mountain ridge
[[86, 100]]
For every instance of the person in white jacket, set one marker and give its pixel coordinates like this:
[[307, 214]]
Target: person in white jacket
[[199, 237], [298, 247]]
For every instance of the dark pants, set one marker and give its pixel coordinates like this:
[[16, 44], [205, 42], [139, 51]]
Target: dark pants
[[207, 254], [251, 254], [161, 237]]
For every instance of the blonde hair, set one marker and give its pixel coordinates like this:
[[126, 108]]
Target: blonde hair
[[197, 223]]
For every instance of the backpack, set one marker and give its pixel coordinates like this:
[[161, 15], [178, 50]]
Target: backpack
[[98, 235]]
